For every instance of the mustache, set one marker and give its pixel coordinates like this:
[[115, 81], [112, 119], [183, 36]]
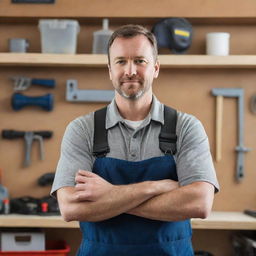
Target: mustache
[[124, 80]]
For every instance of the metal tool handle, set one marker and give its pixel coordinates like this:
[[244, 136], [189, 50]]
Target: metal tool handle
[[41, 145], [239, 166], [50, 83], [219, 116], [13, 134], [29, 136], [19, 101]]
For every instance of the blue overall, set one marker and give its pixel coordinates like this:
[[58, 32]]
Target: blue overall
[[129, 235]]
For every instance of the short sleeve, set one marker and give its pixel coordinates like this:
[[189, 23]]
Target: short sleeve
[[193, 160], [76, 148]]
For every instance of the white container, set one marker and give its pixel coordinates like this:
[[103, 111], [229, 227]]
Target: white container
[[101, 38], [217, 43], [18, 45], [22, 241], [58, 36]]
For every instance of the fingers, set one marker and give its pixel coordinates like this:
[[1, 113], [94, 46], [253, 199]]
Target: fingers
[[80, 187], [87, 173], [80, 179], [82, 175]]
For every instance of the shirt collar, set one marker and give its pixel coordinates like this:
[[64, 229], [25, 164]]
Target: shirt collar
[[113, 117]]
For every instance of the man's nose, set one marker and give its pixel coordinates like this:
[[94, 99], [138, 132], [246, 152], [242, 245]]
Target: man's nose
[[130, 69]]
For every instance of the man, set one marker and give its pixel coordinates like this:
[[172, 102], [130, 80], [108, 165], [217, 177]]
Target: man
[[131, 190]]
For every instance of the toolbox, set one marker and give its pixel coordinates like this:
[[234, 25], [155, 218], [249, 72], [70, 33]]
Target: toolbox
[[53, 248]]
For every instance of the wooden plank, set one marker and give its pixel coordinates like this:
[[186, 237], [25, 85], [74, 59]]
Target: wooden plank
[[98, 60], [16, 220], [52, 60], [205, 61], [217, 220], [226, 220]]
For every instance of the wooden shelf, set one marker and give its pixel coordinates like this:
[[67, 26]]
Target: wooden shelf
[[124, 19], [35, 221], [226, 221], [217, 220], [53, 60], [99, 61]]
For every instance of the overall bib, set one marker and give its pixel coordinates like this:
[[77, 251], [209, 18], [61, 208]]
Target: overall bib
[[129, 235]]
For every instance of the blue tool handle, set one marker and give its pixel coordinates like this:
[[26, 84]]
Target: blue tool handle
[[50, 83], [19, 101]]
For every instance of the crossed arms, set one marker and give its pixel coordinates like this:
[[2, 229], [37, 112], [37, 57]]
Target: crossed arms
[[95, 199]]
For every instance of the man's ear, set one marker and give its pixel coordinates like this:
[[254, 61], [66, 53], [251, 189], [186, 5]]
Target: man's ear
[[109, 72], [157, 68]]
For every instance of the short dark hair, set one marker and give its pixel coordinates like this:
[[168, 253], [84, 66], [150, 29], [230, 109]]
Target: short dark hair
[[129, 31]]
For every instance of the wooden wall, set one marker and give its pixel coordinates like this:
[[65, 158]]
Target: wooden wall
[[188, 90], [133, 8]]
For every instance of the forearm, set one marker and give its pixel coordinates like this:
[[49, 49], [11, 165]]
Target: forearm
[[120, 199], [191, 201]]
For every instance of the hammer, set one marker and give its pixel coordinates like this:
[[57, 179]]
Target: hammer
[[240, 149]]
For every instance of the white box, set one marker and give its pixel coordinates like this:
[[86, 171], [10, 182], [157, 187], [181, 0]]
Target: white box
[[217, 43], [22, 241], [58, 36]]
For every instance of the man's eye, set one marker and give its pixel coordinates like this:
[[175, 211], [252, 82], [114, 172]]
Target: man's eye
[[120, 62], [140, 61]]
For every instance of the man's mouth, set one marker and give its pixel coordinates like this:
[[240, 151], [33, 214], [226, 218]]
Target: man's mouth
[[130, 82]]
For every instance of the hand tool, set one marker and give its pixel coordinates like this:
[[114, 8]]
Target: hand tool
[[29, 137], [22, 83], [25, 205], [253, 104], [75, 95], [250, 212], [35, 206], [51, 204], [244, 244], [33, 1], [46, 179], [4, 195], [19, 101], [240, 149]]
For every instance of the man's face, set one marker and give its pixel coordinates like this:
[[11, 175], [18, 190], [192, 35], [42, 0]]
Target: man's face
[[132, 66]]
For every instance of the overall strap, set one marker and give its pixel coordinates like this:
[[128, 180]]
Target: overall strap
[[168, 137], [100, 140]]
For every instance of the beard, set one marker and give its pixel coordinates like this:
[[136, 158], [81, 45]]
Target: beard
[[131, 92]]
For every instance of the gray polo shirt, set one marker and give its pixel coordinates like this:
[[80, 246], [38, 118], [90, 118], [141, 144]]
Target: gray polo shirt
[[193, 158]]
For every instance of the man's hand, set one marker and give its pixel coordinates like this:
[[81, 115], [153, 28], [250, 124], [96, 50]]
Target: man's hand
[[95, 199], [90, 186]]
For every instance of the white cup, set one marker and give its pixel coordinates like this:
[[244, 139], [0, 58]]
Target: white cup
[[217, 43]]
